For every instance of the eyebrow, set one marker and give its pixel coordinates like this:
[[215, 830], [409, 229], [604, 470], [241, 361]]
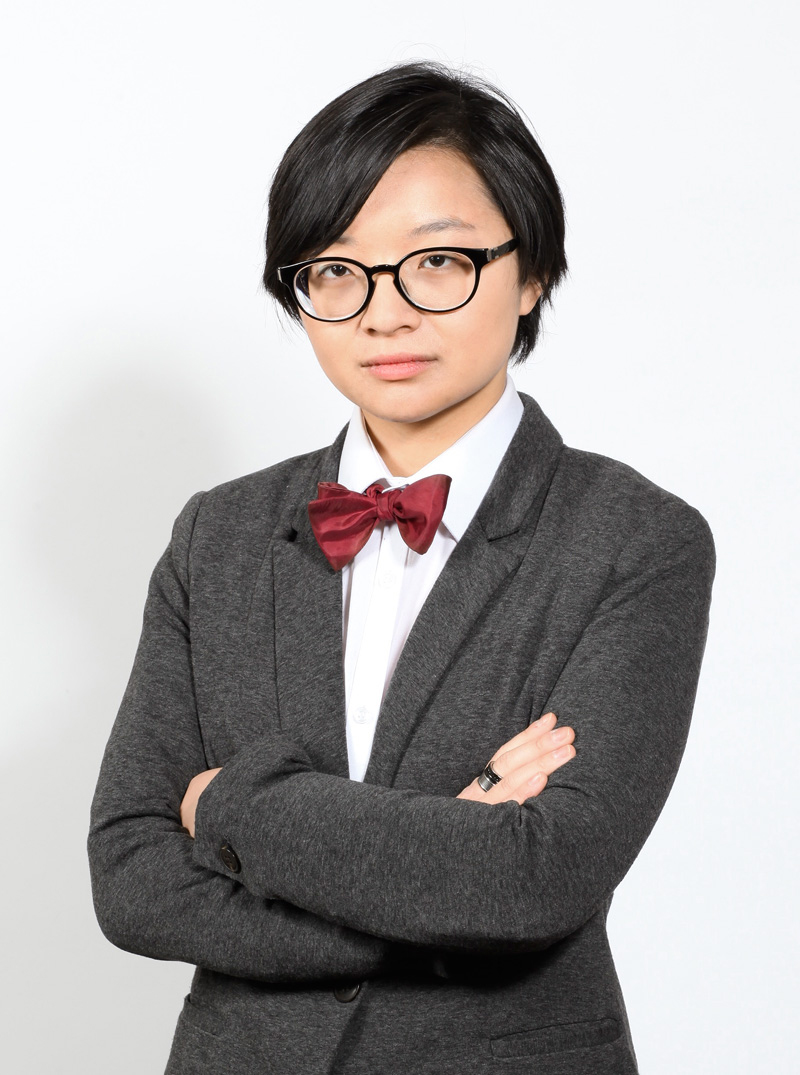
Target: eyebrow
[[445, 224], [431, 227]]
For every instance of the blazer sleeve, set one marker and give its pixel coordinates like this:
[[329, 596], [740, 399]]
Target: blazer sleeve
[[151, 897], [426, 869]]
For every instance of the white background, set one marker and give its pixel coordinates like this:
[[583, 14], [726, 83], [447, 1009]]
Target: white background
[[141, 362]]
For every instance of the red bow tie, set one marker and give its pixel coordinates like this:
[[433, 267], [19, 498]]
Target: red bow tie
[[343, 520]]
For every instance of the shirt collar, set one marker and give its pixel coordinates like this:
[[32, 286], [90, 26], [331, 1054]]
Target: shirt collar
[[471, 462]]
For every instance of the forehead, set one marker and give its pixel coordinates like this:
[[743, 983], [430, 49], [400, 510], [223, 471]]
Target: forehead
[[425, 192]]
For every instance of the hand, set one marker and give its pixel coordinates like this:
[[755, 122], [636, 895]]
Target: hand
[[525, 762], [197, 786]]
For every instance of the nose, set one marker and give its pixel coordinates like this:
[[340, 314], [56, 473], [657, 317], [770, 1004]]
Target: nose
[[387, 311]]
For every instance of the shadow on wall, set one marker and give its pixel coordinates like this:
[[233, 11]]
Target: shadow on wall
[[112, 469], [108, 463]]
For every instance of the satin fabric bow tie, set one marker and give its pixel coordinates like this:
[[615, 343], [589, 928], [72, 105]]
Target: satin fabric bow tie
[[342, 520]]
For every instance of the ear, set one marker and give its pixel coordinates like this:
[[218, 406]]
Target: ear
[[529, 296]]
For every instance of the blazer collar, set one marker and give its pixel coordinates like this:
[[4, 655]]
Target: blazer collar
[[471, 462], [525, 471], [308, 603], [528, 462]]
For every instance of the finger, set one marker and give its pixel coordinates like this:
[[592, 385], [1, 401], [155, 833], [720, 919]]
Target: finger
[[526, 782], [531, 749], [543, 724], [546, 764], [530, 779], [531, 788], [517, 789]]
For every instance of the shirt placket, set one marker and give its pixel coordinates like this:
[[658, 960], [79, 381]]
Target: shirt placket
[[369, 679]]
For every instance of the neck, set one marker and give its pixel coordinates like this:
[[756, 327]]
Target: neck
[[406, 447]]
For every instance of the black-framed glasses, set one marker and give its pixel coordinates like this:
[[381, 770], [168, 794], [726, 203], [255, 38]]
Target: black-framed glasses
[[436, 279]]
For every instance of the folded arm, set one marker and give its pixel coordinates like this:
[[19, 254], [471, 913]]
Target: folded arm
[[409, 866], [151, 896]]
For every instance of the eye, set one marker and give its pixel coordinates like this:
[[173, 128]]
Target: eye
[[436, 261], [332, 270]]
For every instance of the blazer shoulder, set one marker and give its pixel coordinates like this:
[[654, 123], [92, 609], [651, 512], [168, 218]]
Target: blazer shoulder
[[618, 500], [246, 511], [267, 489]]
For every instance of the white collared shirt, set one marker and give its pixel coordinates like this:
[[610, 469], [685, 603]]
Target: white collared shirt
[[386, 584]]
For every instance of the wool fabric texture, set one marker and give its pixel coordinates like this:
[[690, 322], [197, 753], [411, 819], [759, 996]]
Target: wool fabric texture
[[475, 932]]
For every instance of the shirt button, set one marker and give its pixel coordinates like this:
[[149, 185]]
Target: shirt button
[[387, 579], [361, 715], [344, 993]]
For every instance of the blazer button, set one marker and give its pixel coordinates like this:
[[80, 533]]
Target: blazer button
[[230, 858], [344, 993]]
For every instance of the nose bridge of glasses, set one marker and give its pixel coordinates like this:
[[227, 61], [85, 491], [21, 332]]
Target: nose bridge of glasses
[[387, 270], [376, 270]]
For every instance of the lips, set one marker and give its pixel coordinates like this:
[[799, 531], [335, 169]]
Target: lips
[[398, 367], [397, 359]]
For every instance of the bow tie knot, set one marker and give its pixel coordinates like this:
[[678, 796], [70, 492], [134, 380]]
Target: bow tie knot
[[342, 520], [385, 501]]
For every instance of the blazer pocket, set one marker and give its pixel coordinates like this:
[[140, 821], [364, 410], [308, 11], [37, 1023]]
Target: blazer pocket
[[197, 1049], [556, 1038]]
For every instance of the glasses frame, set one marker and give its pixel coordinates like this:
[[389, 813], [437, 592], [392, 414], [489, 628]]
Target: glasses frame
[[479, 256]]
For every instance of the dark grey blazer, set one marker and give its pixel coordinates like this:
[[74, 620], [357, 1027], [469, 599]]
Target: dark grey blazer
[[364, 928]]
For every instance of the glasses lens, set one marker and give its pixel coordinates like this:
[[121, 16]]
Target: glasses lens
[[330, 290], [438, 279]]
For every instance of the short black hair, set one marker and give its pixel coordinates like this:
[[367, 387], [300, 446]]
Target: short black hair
[[335, 162]]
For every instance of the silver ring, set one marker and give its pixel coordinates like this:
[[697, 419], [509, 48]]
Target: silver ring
[[488, 778]]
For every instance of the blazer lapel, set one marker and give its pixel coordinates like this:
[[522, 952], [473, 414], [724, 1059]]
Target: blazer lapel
[[300, 593], [489, 552], [308, 629]]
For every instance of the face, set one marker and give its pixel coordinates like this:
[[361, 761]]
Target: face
[[407, 366]]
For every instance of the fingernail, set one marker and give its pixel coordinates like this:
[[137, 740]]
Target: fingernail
[[562, 753], [537, 781]]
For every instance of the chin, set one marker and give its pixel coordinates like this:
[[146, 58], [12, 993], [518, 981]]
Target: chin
[[410, 414], [403, 416], [401, 403]]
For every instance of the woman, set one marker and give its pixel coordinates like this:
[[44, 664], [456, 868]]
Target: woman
[[347, 656]]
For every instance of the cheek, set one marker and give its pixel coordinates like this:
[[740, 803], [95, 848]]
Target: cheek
[[491, 328], [325, 344]]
